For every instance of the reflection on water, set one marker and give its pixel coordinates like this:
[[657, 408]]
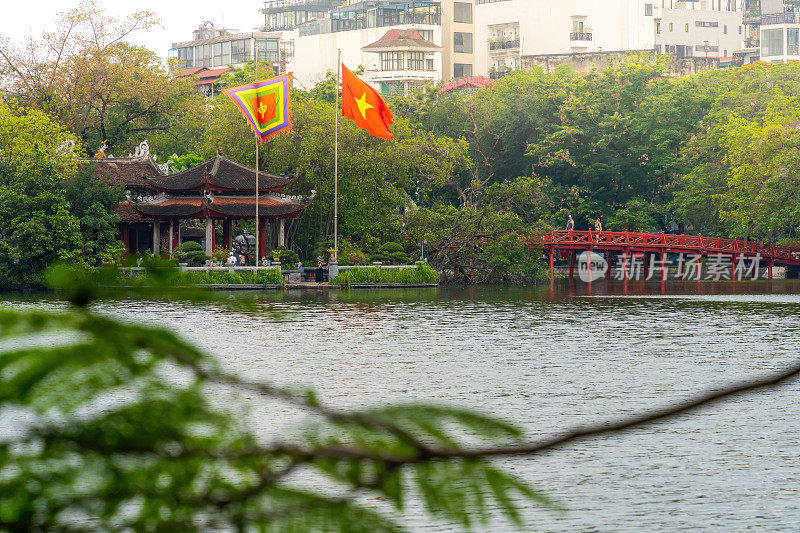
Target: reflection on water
[[549, 359]]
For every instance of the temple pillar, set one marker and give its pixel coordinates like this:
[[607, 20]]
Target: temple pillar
[[175, 234], [156, 237], [282, 232], [171, 235], [262, 239], [209, 235], [124, 236], [227, 230]]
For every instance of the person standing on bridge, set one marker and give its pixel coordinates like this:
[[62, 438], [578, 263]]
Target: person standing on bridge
[[570, 223], [598, 228]]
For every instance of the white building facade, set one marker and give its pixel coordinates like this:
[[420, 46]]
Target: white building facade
[[777, 25], [700, 28], [505, 30]]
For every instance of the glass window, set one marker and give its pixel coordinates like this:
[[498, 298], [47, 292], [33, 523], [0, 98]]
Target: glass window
[[648, 10], [186, 56], [240, 51], [687, 27], [772, 42], [222, 53], [415, 60], [670, 29], [704, 24], [427, 35], [658, 28], [792, 36], [268, 50], [462, 70], [429, 64], [462, 42], [462, 12], [203, 55], [391, 60]]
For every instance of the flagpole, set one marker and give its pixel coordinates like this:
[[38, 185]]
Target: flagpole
[[258, 235], [336, 164]]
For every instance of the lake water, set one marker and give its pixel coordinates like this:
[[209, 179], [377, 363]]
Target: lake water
[[547, 360]]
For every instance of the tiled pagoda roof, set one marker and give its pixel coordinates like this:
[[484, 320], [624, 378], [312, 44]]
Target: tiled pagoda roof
[[220, 174], [126, 171], [271, 205]]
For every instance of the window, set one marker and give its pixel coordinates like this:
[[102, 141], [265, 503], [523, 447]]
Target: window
[[415, 60], [658, 28], [658, 48], [268, 50], [427, 35], [772, 42], [740, 30], [648, 10], [462, 70], [704, 24], [240, 51], [222, 53], [670, 27], [706, 48], [186, 56], [203, 55], [687, 27], [792, 41], [462, 12], [725, 29], [462, 42], [391, 60], [429, 64]]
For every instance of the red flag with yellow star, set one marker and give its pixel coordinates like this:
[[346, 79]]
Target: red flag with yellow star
[[364, 105]]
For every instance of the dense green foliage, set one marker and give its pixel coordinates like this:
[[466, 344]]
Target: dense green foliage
[[115, 430], [420, 274], [265, 276], [192, 253]]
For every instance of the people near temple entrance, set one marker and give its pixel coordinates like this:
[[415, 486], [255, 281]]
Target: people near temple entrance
[[265, 262], [231, 261], [319, 276], [299, 266], [242, 260], [570, 223]]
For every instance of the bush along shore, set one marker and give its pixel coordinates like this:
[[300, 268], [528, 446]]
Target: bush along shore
[[422, 274], [176, 278]]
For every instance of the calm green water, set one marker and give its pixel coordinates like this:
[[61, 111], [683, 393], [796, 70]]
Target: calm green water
[[550, 360]]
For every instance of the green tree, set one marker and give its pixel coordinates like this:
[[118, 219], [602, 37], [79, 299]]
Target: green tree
[[36, 226]]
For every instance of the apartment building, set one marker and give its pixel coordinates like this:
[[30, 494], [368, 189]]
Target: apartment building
[[699, 28], [213, 48], [774, 28], [507, 30], [313, 31]]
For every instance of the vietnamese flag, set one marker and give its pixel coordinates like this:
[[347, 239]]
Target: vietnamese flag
[[364, 106]]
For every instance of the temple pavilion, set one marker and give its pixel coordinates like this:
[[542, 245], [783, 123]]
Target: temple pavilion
[[217, 191]]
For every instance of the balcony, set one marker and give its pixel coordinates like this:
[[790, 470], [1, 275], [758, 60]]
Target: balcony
[[401, 74], [580, 36], [752, 16], [752, 42], [504, 44], [497, 73], [780, 18]]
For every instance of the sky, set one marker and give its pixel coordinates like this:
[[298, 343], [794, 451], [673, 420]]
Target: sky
[[178, 18]]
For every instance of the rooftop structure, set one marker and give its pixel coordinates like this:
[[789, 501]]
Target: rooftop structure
[[216, 48], [205, 79], [405, 60], [773, 29]]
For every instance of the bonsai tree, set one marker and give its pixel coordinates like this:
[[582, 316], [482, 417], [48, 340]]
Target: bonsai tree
[[192, 253]]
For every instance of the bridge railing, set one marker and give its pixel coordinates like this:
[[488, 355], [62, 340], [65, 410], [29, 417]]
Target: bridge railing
[[663, 241]]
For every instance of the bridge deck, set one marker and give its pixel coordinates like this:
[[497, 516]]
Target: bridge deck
[[664, 243]]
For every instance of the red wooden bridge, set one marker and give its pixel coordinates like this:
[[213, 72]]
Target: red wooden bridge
[[649, 244]]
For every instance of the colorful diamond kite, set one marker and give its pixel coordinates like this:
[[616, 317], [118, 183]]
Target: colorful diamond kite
[[266, 105]]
